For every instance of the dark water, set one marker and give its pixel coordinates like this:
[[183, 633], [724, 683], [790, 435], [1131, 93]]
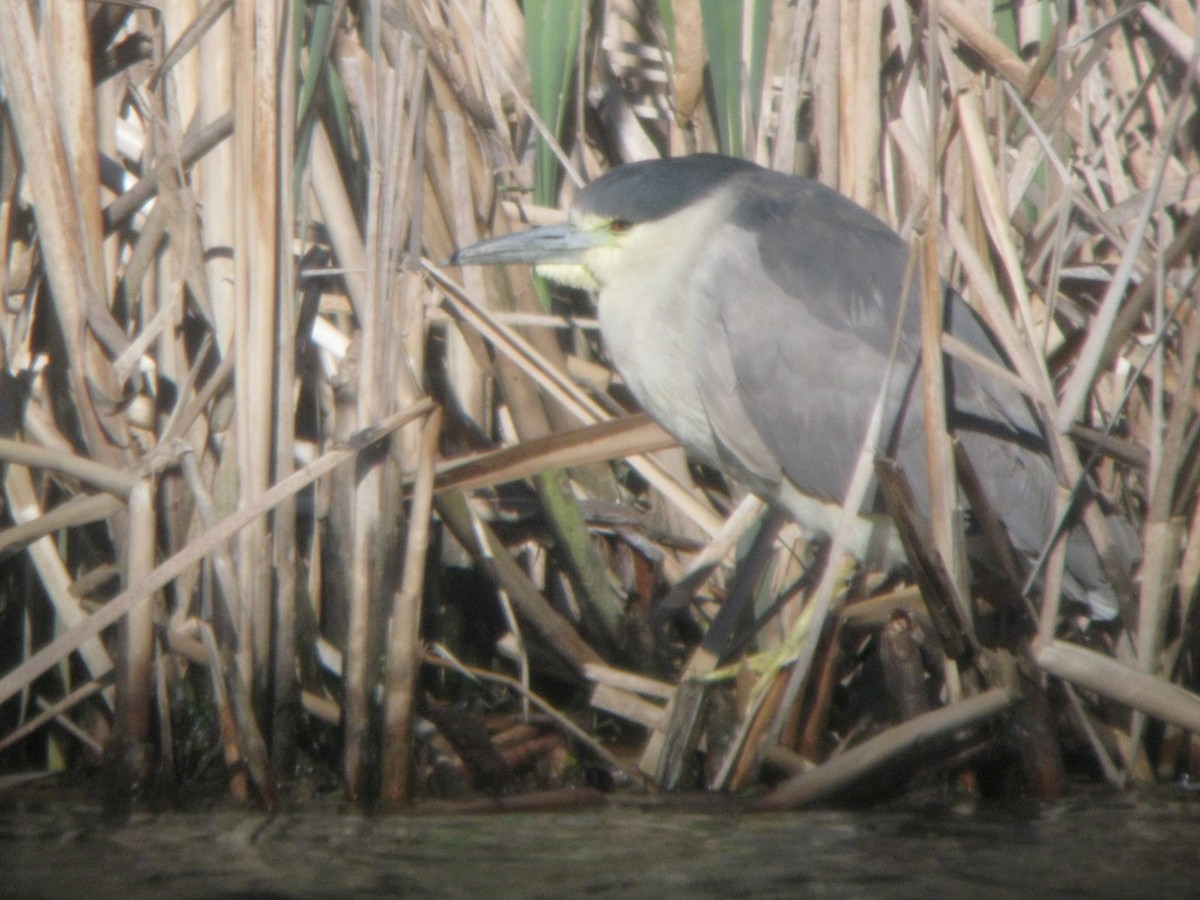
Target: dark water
[[1096, 846]]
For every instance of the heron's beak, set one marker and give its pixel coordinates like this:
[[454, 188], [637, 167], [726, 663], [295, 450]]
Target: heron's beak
[[553, 244]]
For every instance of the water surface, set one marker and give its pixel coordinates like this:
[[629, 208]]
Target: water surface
[[1098, 845]]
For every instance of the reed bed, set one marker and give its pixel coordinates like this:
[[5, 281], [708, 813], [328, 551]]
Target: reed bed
[[282, 493]]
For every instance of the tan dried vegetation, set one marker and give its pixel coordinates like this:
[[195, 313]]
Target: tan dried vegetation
[[251, 430]]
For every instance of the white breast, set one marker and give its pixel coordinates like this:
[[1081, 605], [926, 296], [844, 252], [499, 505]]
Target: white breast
[[651, 336]]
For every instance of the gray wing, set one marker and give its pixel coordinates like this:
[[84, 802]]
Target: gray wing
[[801, 294], [808, 340]]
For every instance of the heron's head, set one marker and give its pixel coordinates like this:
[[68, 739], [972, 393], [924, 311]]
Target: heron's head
[[632, 212]]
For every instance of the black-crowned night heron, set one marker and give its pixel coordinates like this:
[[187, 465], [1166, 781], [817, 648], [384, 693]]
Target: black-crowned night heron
[[752, 314]]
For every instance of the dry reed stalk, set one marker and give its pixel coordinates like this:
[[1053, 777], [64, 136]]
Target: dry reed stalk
[[285, 689], [472, 386], [858, 763], [940, 469], [995, 215], [1092, 671], [200, 146], [859, 58], [826, 79], [66, 32], [257, 241], [611, 439], [367, 543], [215, 172], [130, 746], [581, 561], [948, 610], [579, 558], [80, 510], [999, 57], [1162, 536], [943, 486], [1052, 574], [222, 673], [404, 645], [106, 478], [714, 552], [796, 76]]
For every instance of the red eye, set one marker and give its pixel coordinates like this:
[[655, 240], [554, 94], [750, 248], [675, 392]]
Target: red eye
[[619, 226]]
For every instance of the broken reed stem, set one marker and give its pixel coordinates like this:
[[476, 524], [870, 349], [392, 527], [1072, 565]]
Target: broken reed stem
[[1163, 531], [106, 478], [856, 764], [82, 509], [1117, 681], [165, 672], [197, 142]]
